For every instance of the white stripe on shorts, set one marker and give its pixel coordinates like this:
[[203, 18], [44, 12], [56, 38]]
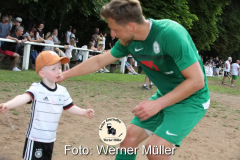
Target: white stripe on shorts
[[28, 151]]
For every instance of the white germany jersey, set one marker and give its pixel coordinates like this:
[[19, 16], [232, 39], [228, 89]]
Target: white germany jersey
[[46, 110]]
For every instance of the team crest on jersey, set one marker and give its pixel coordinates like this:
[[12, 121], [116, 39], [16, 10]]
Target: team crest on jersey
[[156, 47], [38, 153]]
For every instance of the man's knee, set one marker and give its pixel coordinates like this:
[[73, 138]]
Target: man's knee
[[16, 55], [135, 135]]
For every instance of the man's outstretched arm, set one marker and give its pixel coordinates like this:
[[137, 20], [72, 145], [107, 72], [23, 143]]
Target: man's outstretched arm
[[91, 65]]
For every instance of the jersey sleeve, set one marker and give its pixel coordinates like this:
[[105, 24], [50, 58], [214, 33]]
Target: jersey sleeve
[[68, 103], [31, 91], [180, 47], [119, 50]]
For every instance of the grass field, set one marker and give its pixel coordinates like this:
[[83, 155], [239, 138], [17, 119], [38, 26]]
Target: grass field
[[114, 95]]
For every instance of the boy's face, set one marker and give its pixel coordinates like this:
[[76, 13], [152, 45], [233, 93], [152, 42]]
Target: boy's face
[[52, 72]]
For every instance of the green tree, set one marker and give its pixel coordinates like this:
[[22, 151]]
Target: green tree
[[228, 41], [204, 31], [177, 10]]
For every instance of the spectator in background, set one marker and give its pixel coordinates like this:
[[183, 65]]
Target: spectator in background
[[235, 70], [128, 67], [227, 68], [68, 53], [32, 36], [55, 36], [4, 28], [9, 48], [10, 20], [91, 47], [40, 34], [112, 41], [104, 40], [94, 37], [217, 63], [67, 35], [100, 39], [145, 87], [73, 36], [59, 51], [40, 30], [17, 23], [49, 40]]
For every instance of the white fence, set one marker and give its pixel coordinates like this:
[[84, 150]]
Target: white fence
[[27, 46]]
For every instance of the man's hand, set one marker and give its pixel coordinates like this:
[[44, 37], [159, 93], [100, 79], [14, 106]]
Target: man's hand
[[3, 107], [146, 109], [61, 78], [89, 113], [16, 40]]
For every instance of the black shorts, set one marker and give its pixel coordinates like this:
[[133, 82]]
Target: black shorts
[[226, 74], [34, 150]]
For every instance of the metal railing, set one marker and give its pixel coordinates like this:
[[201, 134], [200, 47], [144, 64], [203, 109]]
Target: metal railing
[[27, 47]]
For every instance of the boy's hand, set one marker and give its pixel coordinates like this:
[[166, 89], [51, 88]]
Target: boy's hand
[[3, 107], [89, 113]]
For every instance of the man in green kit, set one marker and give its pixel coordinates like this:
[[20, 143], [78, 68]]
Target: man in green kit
[[168, 56]]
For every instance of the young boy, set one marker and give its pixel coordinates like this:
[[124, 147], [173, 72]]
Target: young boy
[[48, 100]]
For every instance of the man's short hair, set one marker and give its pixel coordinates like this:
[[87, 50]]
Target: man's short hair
[[18, 28], [123, 11]]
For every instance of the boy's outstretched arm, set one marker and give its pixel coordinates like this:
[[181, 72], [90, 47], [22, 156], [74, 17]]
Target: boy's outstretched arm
[[15, 102], [89, 113]]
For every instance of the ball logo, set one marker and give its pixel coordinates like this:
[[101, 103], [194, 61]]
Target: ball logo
[[38, 153], [112, 131], [156, 47]]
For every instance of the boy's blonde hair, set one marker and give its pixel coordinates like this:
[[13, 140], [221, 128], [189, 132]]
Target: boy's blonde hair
[[123, 11]]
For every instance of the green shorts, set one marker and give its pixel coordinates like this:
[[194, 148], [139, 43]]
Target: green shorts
[[174, 122], [234, 77]]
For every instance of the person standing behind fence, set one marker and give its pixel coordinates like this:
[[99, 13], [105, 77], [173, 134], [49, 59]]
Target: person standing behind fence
[[55, 36], [68, 52], [227, 67], [40, 30], [67, 35], [31, 36], [235, 71], [217, 63], [5, 28], [40, 34], [17, 23], [9, 48], [94, 37], [49, 40]]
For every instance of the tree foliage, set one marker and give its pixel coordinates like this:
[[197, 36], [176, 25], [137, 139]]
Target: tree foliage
[[229, 31], [205, 31], [177, 10]]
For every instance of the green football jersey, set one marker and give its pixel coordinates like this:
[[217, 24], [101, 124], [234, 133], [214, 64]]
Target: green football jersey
[[167, 50]]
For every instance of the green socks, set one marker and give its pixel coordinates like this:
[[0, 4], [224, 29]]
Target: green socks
[[125, 156]]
